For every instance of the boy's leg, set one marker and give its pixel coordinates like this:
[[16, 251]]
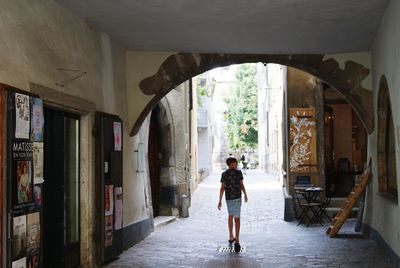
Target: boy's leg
[[230, 226], [237, 228]]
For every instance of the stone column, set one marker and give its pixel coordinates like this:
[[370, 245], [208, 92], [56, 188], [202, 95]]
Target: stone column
[[168, 196]]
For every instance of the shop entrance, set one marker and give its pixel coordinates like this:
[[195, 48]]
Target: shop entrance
[[345, 144], [61, 242]]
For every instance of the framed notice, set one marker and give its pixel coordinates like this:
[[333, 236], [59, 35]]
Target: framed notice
[[22, 116]]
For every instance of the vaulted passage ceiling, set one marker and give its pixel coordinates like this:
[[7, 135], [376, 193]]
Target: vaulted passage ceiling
[[230, 26]]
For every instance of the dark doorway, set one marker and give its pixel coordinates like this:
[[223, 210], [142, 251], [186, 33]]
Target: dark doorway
[[345, 144], [154, 153], [329, 149], [61, 232]]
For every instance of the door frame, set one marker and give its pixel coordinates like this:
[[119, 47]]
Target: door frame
[[66, 115], [55, 99]]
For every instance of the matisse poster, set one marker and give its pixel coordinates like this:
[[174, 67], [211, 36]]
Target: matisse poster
[[22, 116], [117, 136], [24, 182], [37, 119]]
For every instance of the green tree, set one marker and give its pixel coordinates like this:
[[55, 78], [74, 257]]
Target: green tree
[[242, 109]]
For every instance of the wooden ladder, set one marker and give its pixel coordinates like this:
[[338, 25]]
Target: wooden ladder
[[351, 200]]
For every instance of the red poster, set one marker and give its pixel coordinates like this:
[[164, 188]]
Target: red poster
[[108, 200]]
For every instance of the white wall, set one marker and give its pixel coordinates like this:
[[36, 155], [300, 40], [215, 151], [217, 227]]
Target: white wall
[[381, 213], [270, 101]]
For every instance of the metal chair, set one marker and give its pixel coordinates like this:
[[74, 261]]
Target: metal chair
[[306, 205]]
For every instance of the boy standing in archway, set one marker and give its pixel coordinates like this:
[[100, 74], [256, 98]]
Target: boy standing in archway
[[232, 185]]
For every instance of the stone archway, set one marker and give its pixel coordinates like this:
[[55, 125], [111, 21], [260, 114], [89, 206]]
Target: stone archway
[[178, 68], [161, 161]]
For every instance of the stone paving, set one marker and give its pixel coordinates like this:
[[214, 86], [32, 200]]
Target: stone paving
[[269, 241]]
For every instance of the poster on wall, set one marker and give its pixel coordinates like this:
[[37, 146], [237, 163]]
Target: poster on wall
[[24, 182], [19, 237], [22, 116], [33, 233], [21, 263], [37, 162], [37, 119], [303, 140], [33, 261], [118, 208], [108, 200], [117, 136], [37, 193], [108, 237]]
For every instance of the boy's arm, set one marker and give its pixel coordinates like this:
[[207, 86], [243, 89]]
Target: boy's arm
[[243, 190], [221, 193]]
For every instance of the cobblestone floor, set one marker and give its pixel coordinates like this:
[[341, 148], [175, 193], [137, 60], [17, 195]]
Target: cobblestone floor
[[269, 241]]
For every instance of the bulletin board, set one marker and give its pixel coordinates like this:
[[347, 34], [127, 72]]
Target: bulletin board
[[109, 182], [24, 172]]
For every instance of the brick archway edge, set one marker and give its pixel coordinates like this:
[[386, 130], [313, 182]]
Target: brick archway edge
[[180, 67]]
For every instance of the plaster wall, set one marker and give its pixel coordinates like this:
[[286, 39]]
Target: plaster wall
[[193, 139], [363, 58], [39, 37], [140, 65], [382, 214]]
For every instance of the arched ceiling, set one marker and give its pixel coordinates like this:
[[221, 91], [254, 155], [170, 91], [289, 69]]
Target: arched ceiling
[[243, 26]]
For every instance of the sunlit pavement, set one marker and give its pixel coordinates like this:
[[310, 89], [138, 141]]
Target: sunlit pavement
[[269, 241]]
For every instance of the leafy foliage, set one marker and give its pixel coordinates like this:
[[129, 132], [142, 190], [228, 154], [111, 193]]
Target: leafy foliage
[[242, 108]]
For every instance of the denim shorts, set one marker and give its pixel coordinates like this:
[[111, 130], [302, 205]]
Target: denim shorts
[[234, 206]]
